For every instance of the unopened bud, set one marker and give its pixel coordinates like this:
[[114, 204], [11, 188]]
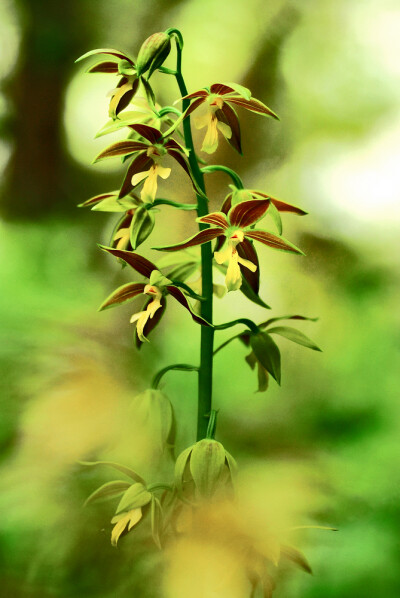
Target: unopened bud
[[205, 467], [153, 52]]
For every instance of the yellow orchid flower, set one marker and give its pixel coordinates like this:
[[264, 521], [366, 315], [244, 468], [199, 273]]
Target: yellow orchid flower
[[123, 521], [233, 279], [141, 318]]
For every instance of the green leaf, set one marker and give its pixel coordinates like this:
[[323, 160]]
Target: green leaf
[[113, 204], [136, 496], [267, 353], [141, 227], [108, 490], [187, 289], [109, 51], [176, 204], [120, 148], [240, 89], [251, 295], [183, 272], [207, 463], [126, 470], [294, 317], [156, 520], [295, 336], [123, 294], [180, 467], [127, 118], [276, 217], [232, 465]]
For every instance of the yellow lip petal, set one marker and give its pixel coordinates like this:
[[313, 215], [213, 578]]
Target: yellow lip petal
[[225, 129], [247, 264], [233, 279], [139, 177], [210, 142]]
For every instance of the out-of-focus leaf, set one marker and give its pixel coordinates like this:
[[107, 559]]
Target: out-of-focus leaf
[[297, 557], [156, 520], [180, 467], [136, 496], [122, 468], [108, 490]]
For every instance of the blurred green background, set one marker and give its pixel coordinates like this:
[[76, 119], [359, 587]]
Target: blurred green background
[[330, 69]]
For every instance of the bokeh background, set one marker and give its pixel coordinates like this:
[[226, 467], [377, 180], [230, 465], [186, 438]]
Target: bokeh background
[[325, 444]]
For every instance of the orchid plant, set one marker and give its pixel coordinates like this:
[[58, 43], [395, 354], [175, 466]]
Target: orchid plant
[[227, 239]]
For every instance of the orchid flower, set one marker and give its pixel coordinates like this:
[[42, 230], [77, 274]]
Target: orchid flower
[[235, 229], [220, 115], [146, 165], [156, 290], [127, 86], [134, 226]]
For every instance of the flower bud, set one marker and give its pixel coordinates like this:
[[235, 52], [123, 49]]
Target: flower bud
[[153, 52], [205, 470], [154, 416], [239, 195]]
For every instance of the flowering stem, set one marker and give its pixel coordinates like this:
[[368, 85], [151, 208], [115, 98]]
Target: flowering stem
[[217, 167], [207, 332], [183, 367]]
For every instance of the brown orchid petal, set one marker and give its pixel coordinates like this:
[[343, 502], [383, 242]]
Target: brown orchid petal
[[123, 294], [134, 260], [108, 51], [216, 218], [124, 223], [181, 160], [271, 240], [140, 163], [202, 93], [204, 236], [219, 244], [94, 200], [246, 251], [180, 297], [227, 115], [247, 213], [226, 206], [281, 206], [121, 148], [174, 145], [220, 89], [150, 133], [104, 67], [127, 95], [254, 106], [194, 105], [151, 322]]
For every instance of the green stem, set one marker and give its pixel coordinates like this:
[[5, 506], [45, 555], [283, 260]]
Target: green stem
[[237, 181], [183, 367], [212, 424], [207, 332]]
